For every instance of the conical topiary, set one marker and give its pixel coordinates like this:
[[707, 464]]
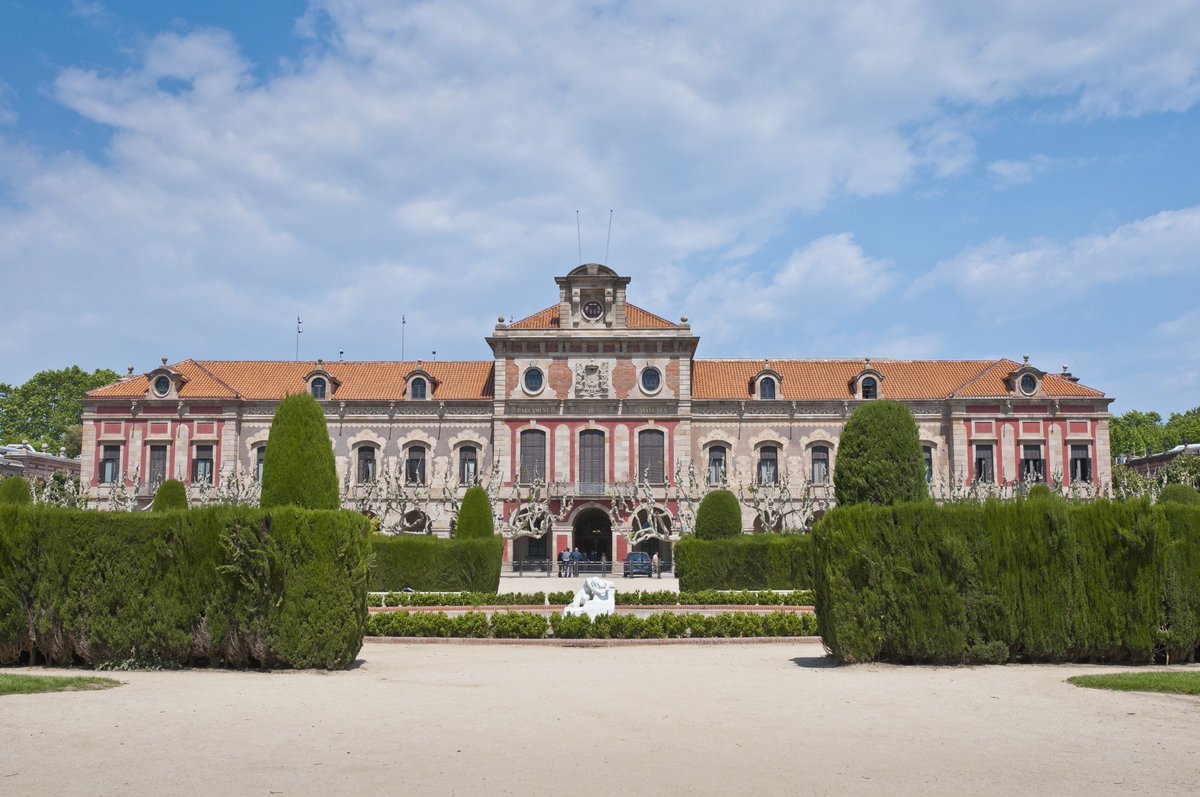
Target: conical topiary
[[298, 468], [15, 490], [169, 496], [879, 459], [475, 515], [719, 516]]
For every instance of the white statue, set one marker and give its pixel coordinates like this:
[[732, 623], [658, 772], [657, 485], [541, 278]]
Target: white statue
[[596, 598]]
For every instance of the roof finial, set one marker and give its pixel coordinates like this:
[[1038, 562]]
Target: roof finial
[[1025, 357], [129, 370], [164, 360]]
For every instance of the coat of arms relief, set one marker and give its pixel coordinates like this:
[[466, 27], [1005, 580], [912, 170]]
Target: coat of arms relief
[[591, 380]]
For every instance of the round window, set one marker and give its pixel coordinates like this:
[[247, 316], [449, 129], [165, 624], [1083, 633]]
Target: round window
[[651, 380], [1028, 384], [593, 310], [533, 380], [162, 386]]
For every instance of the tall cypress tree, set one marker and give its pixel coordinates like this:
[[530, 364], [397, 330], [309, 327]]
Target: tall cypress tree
[[879, 457], [298, 468], [15, 490], [475, 515]]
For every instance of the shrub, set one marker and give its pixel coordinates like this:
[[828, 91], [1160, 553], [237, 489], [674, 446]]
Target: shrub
[[224, 585], [475, 515], [15, 491], [437, 565], [719, 516], [879, 457], [169, 496], [1039, 492], [518, 625], [1179, 494], [769, 561], [298, 469]]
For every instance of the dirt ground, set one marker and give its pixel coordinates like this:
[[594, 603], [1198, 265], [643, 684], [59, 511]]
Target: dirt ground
[[756, 719]]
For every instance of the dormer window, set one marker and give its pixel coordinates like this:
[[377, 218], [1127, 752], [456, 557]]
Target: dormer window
[[419, 389], [870, 388], [162, 386], [1025, 381], [766, 389], [318, 387], [867, 384], [1028, 384]]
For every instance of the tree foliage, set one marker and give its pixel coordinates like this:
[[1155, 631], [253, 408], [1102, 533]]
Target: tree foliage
[[169, 496], [879, 457], [298, 468], [719, 516], [15, 490], [46, 410], [1179, 494], [1139, 433], [475, 515]]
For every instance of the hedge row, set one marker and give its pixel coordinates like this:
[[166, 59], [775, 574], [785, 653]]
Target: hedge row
[[664, 598], [759, 561], [1041, 580], [431, 563], [527, 625], [225, 586]]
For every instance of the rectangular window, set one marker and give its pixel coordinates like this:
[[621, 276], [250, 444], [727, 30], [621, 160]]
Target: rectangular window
[[820, 464], [650, 457], [414, 466], [1081, 463], [716, 465], [260, 455], [158, 465], [1033, 467], [110, 464], [591, 462], [768, 465], [366, 465], [202, 465], [468, 465], [537, 547], [533, 456], [985, 464], [927, 454]]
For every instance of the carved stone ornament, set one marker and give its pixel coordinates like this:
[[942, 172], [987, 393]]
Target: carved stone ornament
[[591, 380]]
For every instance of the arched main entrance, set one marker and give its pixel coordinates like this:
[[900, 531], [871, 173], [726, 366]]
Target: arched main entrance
[[593, 535]]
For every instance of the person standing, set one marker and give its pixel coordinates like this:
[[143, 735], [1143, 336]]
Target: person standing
[[654, 566], [576, 558], [564, 563]]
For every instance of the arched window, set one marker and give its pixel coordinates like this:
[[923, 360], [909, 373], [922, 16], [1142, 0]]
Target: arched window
[[820, 464], [414, 465], [766, 388], [418, 389], [716, 465], [318, 388], [768, 465], [651, 456], [533, 455], [366, 464], [870, 388], [468, 465]]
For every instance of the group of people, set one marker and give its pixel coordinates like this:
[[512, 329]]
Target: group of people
[[570, 560]]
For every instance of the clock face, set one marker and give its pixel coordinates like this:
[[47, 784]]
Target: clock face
[[1028, 384], [593, 310]]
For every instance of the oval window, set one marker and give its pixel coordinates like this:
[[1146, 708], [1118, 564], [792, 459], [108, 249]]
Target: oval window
[[533, 380], [1028, 384], [651, 380], [162, 386], [593, 310]]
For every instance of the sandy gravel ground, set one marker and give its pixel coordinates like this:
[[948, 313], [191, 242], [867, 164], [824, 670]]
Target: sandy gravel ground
[[723, 720]]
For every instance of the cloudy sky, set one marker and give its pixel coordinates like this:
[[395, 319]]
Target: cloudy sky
[[903, 179]]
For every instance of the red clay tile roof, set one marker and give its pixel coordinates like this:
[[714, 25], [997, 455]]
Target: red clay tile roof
[[635, 318], [904, 380], [360, 381]]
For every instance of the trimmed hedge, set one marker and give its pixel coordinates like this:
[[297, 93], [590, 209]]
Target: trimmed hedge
[[169, 496], [226, 586], [719, 516], [637, 598], [1040, 580], [475, 516], [760, 561], [1179, 494], [432, 564], [298, 468], [15, 491], [527, 625]]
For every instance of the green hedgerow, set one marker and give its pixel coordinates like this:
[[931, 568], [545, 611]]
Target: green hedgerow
[[879, 457], [475, 516], [1179, 494], [15, 490], [719, 516], [169, 496], [298, 468]]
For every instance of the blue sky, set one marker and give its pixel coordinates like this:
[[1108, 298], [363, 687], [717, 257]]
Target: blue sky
[[902, 180]]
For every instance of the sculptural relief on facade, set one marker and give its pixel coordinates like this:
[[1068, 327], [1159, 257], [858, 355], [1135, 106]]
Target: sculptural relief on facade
[[591, 380]]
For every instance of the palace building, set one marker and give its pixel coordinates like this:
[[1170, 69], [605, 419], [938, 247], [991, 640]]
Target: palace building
[[593, 424]]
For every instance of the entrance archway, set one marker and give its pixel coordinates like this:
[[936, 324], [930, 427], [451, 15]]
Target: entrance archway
[[592, 535]]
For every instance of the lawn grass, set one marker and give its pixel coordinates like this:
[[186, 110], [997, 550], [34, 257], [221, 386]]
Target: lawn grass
[[1177, 683], [11, 684]]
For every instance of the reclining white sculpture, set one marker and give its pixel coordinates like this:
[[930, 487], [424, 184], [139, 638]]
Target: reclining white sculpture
[[596, 598]]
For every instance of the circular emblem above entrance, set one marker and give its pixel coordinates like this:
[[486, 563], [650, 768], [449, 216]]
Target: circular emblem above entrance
[[592, 311]]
